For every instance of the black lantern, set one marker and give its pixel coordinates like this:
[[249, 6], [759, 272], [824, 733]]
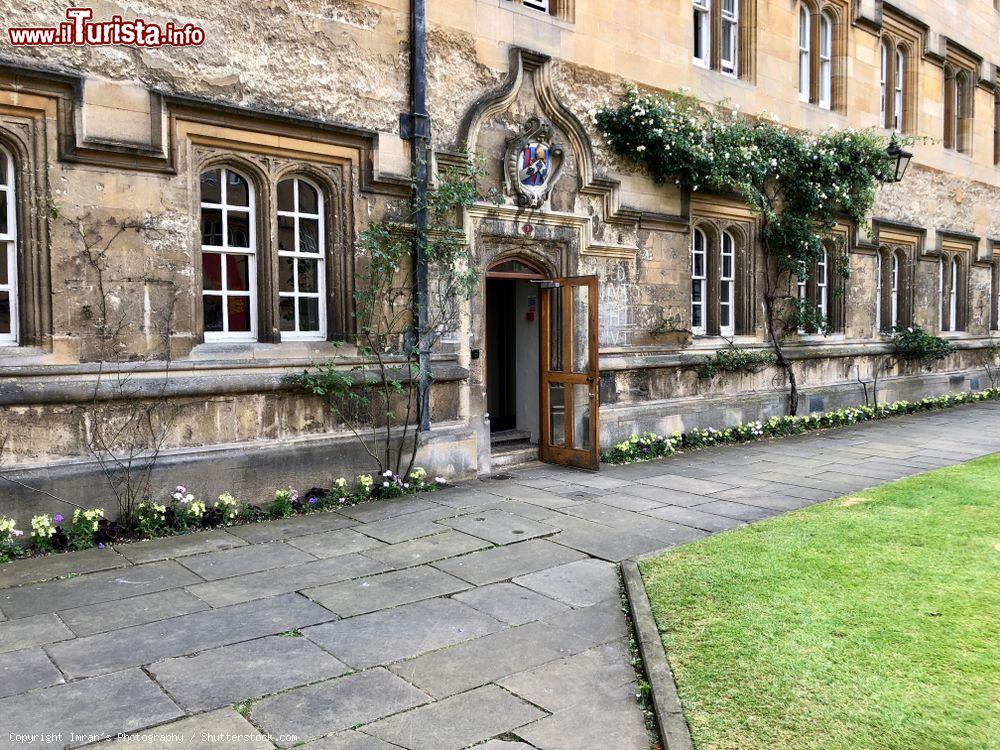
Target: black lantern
[[900, 157]]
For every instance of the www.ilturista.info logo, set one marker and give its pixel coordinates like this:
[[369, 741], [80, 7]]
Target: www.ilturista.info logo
[[79, 30]]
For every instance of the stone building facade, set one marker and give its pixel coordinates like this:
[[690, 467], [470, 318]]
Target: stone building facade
[[205, 203]]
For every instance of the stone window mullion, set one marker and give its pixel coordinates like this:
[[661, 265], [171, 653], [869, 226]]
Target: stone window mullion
[[714, 271]]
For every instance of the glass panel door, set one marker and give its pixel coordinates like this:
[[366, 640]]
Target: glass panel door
[[570, 396]]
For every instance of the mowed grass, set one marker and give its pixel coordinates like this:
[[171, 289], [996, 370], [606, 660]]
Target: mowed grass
[[865, 623]]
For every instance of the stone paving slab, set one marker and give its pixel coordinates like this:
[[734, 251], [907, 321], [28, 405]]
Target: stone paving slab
[[385, 590], [458, 721], [509, 603], [505, 745], [32, 631], [380, 511], [144, 644], [171, 547], [248, 559], [409, 526], [401, 632], [694, 517], [686, 484], [628, 521], [92, 709], [499, 526], [739, 511], [340, 703], [21, 671], [230, 674], [579, 584], [287, 528], [285, 580], [462, 498], [137, 610], [504, 563], [558, 685], [601, 724], [37, 569], [486, 659], [605, 543], [350, 740], [427, 549], [335, 543], [205, 731], [94, 588]]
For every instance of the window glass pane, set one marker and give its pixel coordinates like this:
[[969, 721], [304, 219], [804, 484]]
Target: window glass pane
[[581, 416], [211, 186], [555, 330], [696, 289], [3, 263], [308, 314], [557, 413], [286, 313], [308, 275], [4, 227], [3, 167], [308, 199], [724, 291], [212, 306], [5, 316], [286, 274], [581, 328], [286, 195], [238, 273], [238, 224], [211, 227], [699, 264], [286, 234], [239, 313], [237, 190], [211, 271], [309, 235], [724, 316]]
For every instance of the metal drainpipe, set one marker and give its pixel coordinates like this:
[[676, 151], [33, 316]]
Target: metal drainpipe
[[420, 157]]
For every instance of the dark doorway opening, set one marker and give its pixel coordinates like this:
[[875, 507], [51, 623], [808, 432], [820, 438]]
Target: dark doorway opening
[[512, 324]]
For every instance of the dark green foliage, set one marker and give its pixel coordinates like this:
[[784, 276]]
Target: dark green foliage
[[914, 343], [736, 359]]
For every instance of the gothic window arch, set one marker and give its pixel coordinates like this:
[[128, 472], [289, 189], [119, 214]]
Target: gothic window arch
[[723, 35], [822, 35], [953, 288], [894, 266], [10, 310], [959, 98], [720, 277]]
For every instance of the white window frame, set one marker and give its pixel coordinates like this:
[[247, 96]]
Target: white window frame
[[883, 113], [823, 286], [894, 293], [805, 53], [297, 215], [731, 31], [699, 280], [825, 61], [953, 295], [878, 293], [898, 82], [703, 33], [727, 282], [9, 189], [225, 250], [542, 5]]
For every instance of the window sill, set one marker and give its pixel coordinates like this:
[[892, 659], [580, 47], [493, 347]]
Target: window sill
[[286, 350], [14, 355]]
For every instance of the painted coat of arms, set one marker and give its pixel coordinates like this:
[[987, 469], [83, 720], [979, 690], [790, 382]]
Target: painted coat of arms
[[533, 163]]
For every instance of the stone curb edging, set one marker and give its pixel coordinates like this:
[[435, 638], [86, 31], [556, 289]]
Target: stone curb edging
[[674, 732]]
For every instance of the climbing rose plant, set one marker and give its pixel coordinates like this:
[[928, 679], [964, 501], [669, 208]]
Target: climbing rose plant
[[799, 184]]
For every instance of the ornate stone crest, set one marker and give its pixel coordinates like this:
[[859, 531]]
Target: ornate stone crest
[[533, 163]]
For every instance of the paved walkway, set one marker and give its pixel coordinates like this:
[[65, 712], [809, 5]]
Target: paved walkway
[[485, 613]]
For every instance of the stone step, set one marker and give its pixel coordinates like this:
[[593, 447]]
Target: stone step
[[517, 457]]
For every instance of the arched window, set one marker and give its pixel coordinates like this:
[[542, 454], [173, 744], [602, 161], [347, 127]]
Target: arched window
[[878, 292], [727, 284], [823, 285], [953, 281], [729, 55], [228, 256], [699, 277], [301, 260], [703, 32], [894, 293], [883, 111], [8, 252], [899, 81], [825, 61], [805, 54]]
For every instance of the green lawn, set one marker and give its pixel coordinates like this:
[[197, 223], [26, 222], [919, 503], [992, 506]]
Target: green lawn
[[864, 623]]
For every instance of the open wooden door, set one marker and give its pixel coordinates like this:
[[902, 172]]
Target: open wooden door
[[570, 393]]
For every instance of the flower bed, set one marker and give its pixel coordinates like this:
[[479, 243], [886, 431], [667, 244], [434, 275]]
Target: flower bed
[[650, 445], [183, 512]]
